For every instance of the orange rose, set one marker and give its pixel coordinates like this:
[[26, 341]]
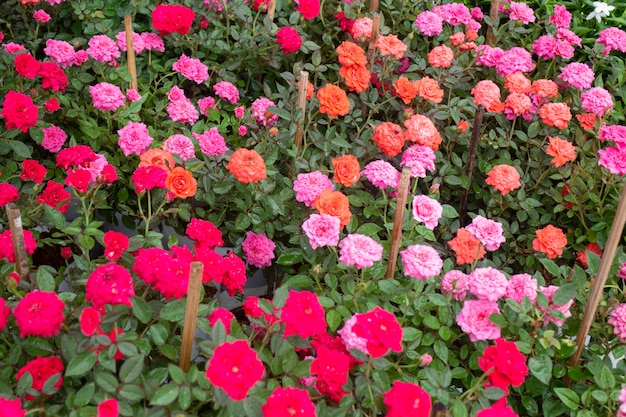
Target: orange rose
[[545, 88], [466, 247], [562, 151], [351, 54], [421, 130], [517, 83], [180, 182], [555, 114], [550, 240], [310, 90], [28, 2], [247, 165], [389, 137], [333, 101], [347, 170], [504, 178], [333, 203], [357, 77], [428, 88], [587, 120], [462, 126], [405, 89], [158, 158], [391, 45]]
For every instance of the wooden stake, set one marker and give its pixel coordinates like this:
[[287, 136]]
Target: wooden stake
[[373, 38], [373, 5], [271, 9], [302, 84], [471, 157], [17, 234], [396, 235], [191, 313], [493, 15], [130, 51], [615, 235]]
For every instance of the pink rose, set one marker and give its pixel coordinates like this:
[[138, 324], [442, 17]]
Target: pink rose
[[427, 211]]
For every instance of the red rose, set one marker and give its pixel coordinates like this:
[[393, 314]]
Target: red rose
[[235, 368], [52, 105], [108, 174], [116, 243], [66, 252], [505, 365], [8, 194], [33, 170], [53, 76], [19, 111], [309, 9], [108, 408], [168, 18], [89, 321], [39, 313], [27, 66], [79, 179], [55, 196], [288, 39], [261, 5], [41, 369]]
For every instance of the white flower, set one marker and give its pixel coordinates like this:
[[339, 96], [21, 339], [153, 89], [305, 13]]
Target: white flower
[[601, 10]]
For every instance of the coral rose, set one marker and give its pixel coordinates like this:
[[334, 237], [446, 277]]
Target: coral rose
[[347, 170], [555, 114], [504, 178], [247, 165], [466, 247], [391, 45], [351, 54], [334, 203], [357, 77], [158, 158], [333, 101], [389, 137], [562, 151], [405, 89], [180, 182], [550, 240], [428, 89]]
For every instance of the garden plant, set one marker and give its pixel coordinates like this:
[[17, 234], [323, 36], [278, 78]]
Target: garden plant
[[427, 188]]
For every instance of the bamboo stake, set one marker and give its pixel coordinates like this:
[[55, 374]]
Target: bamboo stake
[[191, 313], [302, 84], [373, 38], [396, 234], [493, 15], [597, 290], [373, 5], [17, 235], [271, 9], [471, 157], [130, 51]]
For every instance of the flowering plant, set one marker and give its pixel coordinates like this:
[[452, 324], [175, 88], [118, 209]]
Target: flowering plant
[[504, 129]]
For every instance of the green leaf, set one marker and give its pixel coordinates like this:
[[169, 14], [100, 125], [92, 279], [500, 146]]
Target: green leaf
[[290, 257], [551, 267], [142, 310], [106, 380], [565, 293], [20, 149], [81, 364], [458, 409], [369, 229], [177, 374], [174, 311], [158, 333], [299, 281], [333, 318], [569, 397], [132, 368], [45, 280], [493, 393], [165, 395], [606, 380], [449, 212], [83, 396], [541, 368], [54, 216]]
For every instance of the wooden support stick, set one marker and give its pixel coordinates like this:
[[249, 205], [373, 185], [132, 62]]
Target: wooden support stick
[[471, 157], [373, 5], [302, 84], [17, 234], [493, 15], [271, 9], [597, 290], [130, 51], [396, 235], [373, 38], [191, 313]]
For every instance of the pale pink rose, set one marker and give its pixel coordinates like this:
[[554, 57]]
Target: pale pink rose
[[520, 286], [359, 250], [427, 211], [180, 145], [322, 230], [474, 320], [489, 232], [350, 339], [564, 308], [455, 282], [421, 262], [425, 359], [488, 283]]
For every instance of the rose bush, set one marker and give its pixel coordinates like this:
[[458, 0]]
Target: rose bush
[[510, 132]]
